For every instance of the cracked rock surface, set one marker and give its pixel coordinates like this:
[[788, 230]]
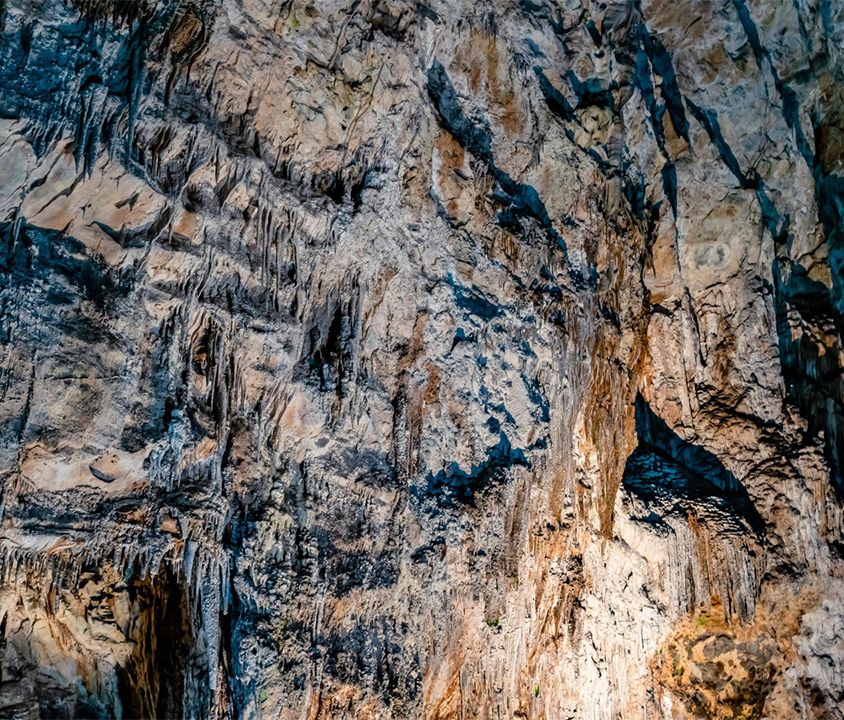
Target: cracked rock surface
[[422, 359]]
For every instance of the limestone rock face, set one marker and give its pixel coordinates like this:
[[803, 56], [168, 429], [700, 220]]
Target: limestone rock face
[[422, 359]]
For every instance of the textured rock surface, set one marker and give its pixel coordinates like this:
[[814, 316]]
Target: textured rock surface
[[393, 359]]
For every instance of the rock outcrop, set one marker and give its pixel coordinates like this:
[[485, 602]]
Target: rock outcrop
[[422, 358]]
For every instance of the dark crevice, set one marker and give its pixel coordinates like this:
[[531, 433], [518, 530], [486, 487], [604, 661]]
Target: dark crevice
[[454, 484], [790, 103], [810, 368], [651, 58], [329, 354], [663, 66], [592, 92], [473, 301], [667, 467], [556, 101], [523, 201], [709, 120]]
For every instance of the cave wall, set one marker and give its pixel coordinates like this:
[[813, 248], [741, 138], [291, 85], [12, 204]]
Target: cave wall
[[421, 359]]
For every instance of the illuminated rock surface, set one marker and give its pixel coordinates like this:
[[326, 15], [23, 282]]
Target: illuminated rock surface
[[401, 359]]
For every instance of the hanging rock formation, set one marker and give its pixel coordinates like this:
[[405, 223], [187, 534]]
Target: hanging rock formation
[[422, 359]]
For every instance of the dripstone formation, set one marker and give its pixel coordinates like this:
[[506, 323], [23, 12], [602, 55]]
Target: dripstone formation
[[372, 359]]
